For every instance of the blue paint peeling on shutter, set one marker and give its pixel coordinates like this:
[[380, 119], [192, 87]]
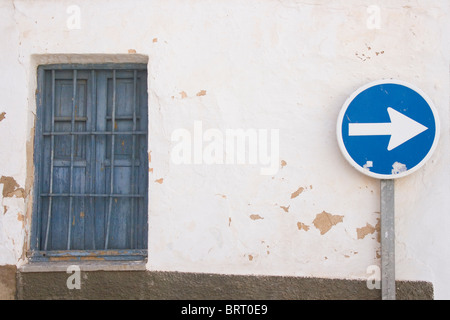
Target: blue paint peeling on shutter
[[91, 169]]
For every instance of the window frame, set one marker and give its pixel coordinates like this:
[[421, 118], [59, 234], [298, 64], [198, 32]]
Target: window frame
[[35, 253]]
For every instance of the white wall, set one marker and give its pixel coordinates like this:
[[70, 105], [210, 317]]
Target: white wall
[[286, 65]]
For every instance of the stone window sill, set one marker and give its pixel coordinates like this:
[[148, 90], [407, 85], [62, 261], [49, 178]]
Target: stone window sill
[[61, 266]]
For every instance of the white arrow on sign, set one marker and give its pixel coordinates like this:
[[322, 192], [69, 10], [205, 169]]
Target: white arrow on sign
[[401, 129]]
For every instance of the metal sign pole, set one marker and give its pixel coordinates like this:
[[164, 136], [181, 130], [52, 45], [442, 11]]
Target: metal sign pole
[[387, 239], [407, 115]]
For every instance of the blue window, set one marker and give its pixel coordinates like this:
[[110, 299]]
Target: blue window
[[91, 168]]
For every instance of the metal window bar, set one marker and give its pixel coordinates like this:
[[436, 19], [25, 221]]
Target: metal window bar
[[83, 163], [125, 117], [52, 155], [69, 119], [74, 133], [72, 143], [133, 148], [111, 168], [98, 195], [92, 152]]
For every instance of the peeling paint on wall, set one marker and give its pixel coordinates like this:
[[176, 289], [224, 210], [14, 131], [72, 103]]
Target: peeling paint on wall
[[302, 226], [21, 218], [297, 193], [369, 229], [367, 54], [325, 221], [366, 230], [256, 217], [2, 116], [149, 161], [11, 188]]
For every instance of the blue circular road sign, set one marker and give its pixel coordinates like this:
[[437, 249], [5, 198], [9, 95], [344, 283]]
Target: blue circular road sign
[[388, 129]]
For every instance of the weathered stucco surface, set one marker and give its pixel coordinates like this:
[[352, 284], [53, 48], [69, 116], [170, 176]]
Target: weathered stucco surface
[[7, 282], [286, 65], [156, 285]]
